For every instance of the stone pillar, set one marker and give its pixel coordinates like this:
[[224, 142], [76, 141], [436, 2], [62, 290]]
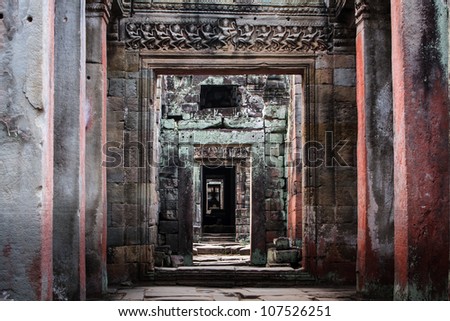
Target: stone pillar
[[375, 261], [421, 151], [97, 15], [69, 162], [26, 153], [258, 218], [186, 204]]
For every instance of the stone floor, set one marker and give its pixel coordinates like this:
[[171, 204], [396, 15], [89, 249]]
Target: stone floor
[[187, 293]]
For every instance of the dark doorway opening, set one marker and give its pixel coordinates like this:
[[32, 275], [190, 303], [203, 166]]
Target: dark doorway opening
[[219, 200]]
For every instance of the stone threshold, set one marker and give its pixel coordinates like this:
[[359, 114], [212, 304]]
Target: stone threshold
[[231, 276]]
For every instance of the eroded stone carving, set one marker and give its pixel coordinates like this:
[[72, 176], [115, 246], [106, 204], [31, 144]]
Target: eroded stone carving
[[213, 152], [361, 9], [227, 35]]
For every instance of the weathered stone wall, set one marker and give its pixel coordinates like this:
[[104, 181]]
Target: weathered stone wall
[[128, 160], [322, 189], [26, 153], [329, 224]]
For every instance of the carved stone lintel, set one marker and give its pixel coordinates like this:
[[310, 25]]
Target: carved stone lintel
[[292, 7], [101, 8], [226, 35], [362, 10], [214, 152]]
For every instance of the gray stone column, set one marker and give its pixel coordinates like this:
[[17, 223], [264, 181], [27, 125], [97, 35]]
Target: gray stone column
[[26, 148], [186, 203], [69, 149], [97, 15], [258, 217], [375, 261]]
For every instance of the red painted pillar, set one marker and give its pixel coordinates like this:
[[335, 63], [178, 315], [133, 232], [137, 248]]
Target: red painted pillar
[[420, 83], [375, 259]]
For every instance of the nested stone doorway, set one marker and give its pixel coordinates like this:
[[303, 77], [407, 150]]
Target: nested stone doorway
[[231, 149]]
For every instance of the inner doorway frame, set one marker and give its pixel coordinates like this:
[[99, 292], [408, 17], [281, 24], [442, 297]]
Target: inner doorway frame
[[153, 65]]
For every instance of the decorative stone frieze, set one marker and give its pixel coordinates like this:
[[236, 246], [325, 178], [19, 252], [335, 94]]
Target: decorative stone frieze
[[227, 35], [221, 152]]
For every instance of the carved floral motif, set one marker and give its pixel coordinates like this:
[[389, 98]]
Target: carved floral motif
[[212, 152], [226, 35]]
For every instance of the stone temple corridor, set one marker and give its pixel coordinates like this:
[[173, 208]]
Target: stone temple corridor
[[229, 149]]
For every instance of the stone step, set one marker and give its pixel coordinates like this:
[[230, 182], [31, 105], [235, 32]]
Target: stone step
[[230, 276], [218, 249], [218, 237]]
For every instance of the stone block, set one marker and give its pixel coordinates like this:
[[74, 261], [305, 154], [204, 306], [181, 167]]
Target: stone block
[[117, 215], [132, 235], [173, 242], [162, 259], [275, 125], [168, 227], [130, 193], [115, 104], [168, 123], [117, 273], [275, 138], [132, 254], [115, 236], [291, 256], [115, 193], [345, 77], [275, 215], [153, 234], [132, 120], [243, 123], [324, 94], [346, 214], [324, 76], [132, 61], [116, 255], [170, 205], [346, 196], [282, 243], [200, 124], [130, 215], [245, 251], [130, 88], [131, 175], [344, 94], [116, 58], [189, 107], [177, 260], [326, 214], [132, 103], [168, 195], [169, 215], [279, 226], [168, 183], [116, 87], [344, 61]]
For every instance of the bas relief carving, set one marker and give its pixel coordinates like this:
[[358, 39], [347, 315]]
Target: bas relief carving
[[212, 152], [226, 35]]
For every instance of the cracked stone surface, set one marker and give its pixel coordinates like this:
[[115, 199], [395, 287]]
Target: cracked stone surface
[[186, 293]]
